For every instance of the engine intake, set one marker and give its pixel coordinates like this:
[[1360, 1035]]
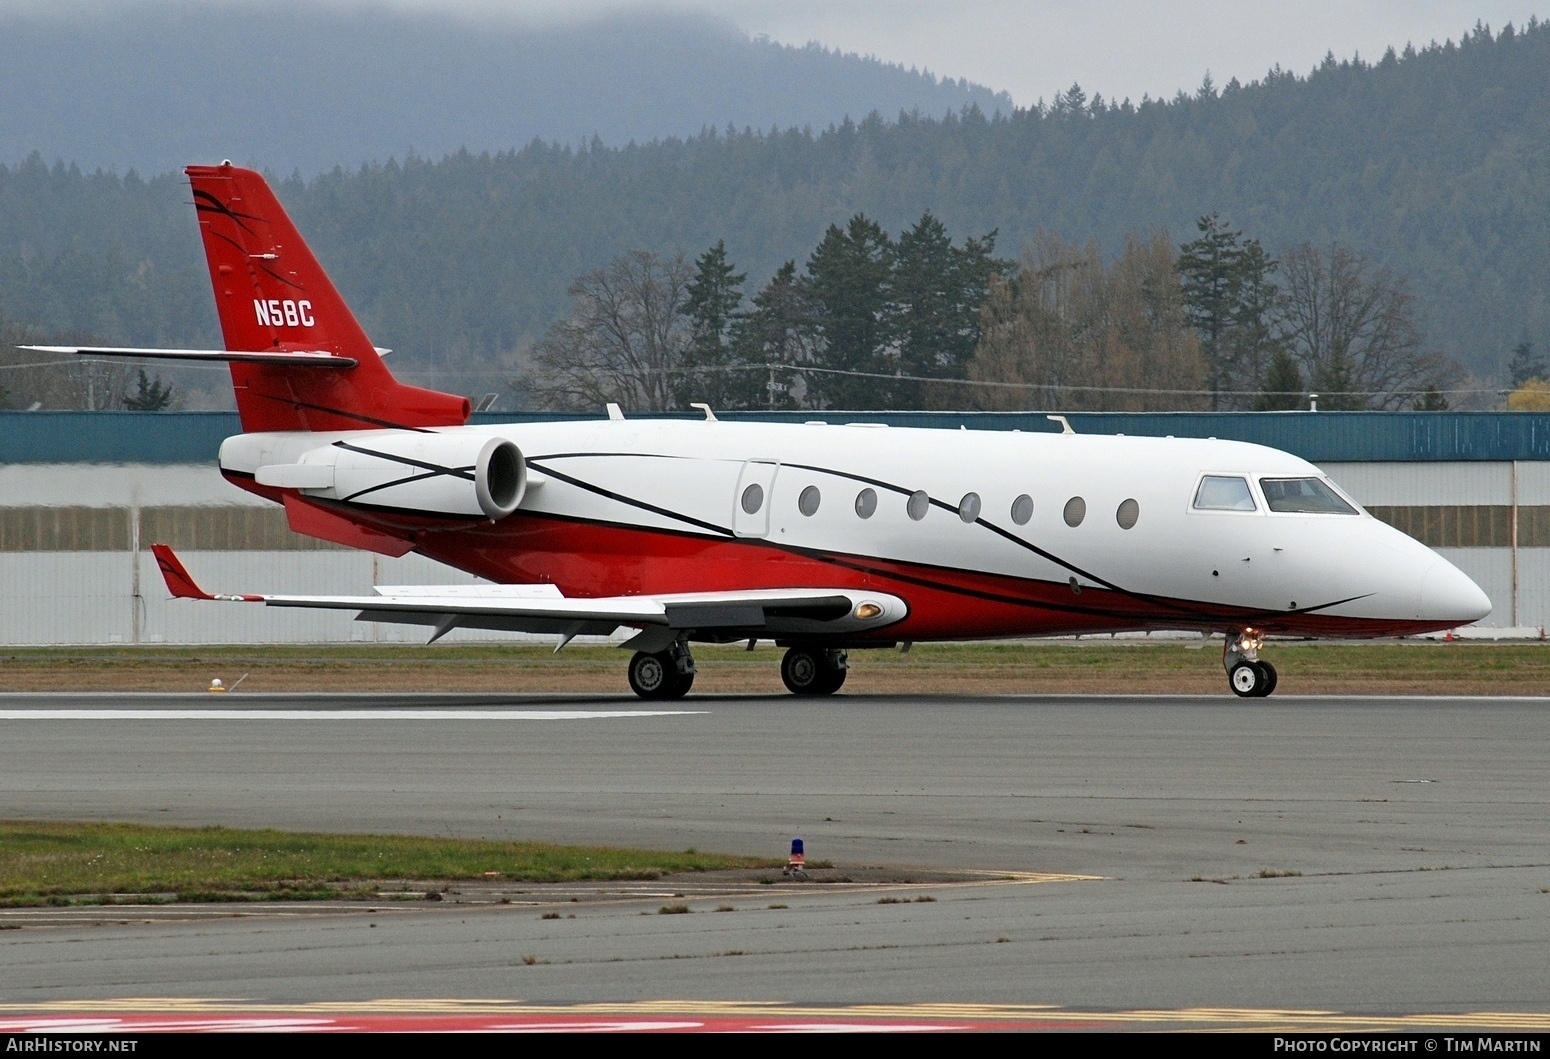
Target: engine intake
[[438, 474]]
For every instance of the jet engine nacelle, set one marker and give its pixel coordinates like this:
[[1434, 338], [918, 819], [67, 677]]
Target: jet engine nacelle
[[433, 473]]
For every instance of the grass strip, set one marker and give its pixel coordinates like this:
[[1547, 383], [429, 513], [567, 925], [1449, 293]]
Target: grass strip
[[71, 863], [1095, 664]]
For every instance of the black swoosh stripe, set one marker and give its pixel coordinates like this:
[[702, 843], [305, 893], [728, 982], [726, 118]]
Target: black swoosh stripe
[[1185, 610], [902, 491], [466, 473], [388, 485], [868, 565], [205, 202], [275, 275], [632, 502]]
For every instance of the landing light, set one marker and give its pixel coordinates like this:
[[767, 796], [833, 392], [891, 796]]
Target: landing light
[[868, 610]]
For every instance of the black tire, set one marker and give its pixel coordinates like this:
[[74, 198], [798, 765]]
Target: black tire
[[1270, 678], [809, 671], [835, 681], [1247, 680], [681, 685], [653, 676]]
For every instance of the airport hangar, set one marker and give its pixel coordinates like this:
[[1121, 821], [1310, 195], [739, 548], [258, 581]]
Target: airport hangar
[[84, 494]]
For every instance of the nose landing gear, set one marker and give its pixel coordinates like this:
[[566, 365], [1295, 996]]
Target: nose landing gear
[[1248, 677]]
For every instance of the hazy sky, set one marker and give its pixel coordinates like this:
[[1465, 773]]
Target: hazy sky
[[1034, 48]]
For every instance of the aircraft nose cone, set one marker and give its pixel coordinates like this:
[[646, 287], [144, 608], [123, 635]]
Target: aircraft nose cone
[[1447, 594]]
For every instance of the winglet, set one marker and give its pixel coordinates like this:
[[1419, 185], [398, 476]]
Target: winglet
[[179, 583]]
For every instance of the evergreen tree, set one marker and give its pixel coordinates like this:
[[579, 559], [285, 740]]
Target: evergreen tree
[[849, 286], [938, 291], [1230, 296], [1282, 389], [1525, 364], [777, 332], [712, 300], [151, 395]]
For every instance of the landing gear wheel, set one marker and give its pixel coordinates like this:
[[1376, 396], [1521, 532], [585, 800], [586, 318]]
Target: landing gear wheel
[[1248, 680], [1270, 677], [656, 676], [813, 670], [1248, 677]]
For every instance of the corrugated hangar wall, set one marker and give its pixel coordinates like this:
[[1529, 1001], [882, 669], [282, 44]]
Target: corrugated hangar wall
[[83, 494]]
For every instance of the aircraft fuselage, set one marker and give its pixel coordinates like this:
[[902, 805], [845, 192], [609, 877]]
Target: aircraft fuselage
[[985, 533]]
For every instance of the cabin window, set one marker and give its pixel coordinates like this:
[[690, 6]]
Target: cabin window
[[753, 498], [1022, 509], [1129, 511], [969, 507], [1221, 492], [866, 503], [807, 503], [1075, 512], [918, 505], [1303, 496]]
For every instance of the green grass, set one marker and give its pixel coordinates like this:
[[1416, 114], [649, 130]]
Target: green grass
[[1092, 653], [68, 863], [1098, 665]]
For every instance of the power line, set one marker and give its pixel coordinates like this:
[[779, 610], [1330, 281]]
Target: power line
[[813, 369]]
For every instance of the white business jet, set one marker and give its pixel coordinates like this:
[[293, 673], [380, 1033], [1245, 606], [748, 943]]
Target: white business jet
[[823, 538]]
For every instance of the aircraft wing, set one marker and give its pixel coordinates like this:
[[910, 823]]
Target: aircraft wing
[[662, 619]]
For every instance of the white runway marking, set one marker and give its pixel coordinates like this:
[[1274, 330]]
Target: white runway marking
[[335, 715]]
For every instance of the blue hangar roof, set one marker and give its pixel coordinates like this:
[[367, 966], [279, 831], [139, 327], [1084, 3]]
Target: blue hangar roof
[[1323, 437]]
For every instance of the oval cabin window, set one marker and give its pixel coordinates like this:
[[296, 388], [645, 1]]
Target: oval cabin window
[[1022, 509], [1127, 514], [969, 507]]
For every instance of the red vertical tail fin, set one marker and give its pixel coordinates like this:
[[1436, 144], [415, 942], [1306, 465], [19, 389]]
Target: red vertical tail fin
[[271, 294]]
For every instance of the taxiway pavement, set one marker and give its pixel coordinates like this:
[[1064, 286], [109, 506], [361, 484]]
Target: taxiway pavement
[[1350, 855]]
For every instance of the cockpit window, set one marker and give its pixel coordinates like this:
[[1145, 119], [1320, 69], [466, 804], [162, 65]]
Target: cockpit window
[[1304, 496], [1221, 492]]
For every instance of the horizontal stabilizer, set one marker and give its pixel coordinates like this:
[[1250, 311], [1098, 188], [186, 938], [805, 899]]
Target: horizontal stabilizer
[[311, 358]]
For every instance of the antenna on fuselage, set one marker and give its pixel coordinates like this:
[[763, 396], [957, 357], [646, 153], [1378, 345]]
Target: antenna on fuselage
[[1065, 424], [614, 411], [710, 417]]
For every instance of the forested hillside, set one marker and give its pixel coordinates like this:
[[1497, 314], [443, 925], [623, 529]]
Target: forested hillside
[[292, 84], [1433, 163]]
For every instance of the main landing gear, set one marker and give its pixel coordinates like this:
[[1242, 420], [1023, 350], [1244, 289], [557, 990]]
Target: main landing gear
[[811, 670], [1249, 677], [669, 674], [663, 674]]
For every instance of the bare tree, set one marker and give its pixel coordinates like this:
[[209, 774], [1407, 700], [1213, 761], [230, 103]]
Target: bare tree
[[1351, 325], [57, 381], [1072, 333], [625, 339]]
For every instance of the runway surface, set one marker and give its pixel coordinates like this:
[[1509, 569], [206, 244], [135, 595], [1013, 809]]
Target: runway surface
[[1247, 863]]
